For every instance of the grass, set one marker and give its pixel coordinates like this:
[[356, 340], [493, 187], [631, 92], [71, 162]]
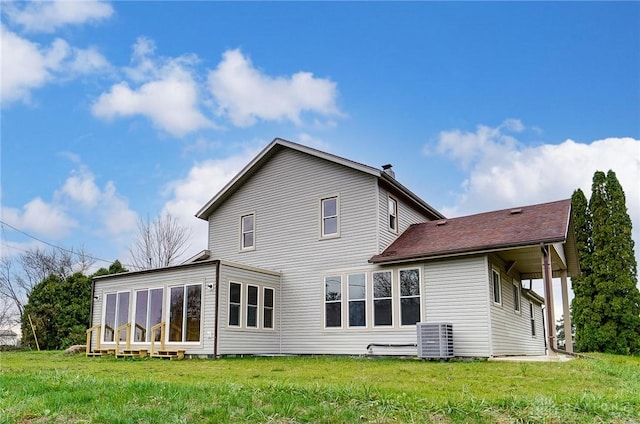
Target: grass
[[52, 387]]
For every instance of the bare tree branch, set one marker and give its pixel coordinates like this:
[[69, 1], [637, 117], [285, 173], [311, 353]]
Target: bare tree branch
[[159, 243]]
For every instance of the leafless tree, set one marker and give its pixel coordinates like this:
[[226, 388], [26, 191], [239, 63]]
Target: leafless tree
[[10, 289], [159, 243], [18, 276]]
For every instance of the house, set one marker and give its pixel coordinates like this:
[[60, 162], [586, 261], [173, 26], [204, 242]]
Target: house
[[8, 338], [311, 253]]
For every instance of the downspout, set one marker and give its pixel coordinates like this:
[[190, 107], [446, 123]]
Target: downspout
[[217, 312]]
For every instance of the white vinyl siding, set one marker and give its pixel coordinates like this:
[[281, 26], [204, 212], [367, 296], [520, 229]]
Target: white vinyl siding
[[285, 194], [455, 291], [511, 332], [406, 215], [241, 339]]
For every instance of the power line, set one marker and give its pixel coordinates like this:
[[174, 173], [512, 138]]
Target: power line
[[54, 245]]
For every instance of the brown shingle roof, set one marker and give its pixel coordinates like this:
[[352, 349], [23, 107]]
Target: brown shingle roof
[[507, 228]]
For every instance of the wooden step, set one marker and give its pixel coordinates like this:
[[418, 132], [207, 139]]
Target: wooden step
[[102, 352], [169, 354], [132, 353]]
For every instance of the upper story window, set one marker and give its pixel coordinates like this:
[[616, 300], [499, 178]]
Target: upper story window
[[497, 290], [330, 217], [393, 214], [247, 232]]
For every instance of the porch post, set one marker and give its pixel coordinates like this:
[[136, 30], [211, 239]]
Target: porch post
[[568, 338], [547, 277]]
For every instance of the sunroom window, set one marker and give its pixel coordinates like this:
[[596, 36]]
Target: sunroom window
[[184, 313]]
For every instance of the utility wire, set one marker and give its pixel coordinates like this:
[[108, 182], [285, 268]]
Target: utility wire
[[53, 245]]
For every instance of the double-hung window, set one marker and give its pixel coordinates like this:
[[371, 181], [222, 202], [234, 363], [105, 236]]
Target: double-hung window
[[393, 214], [532, 318], [357, 300], [252, 306], [333, 301], [235, 296], [409, 296], [247, 232], [516, 297], [497, 290], [330, 225], [382, 299], [267, 313]]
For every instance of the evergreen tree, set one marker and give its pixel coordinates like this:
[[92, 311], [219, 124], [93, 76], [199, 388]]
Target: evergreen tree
[[582, 288], [59, 310], [607, 301]]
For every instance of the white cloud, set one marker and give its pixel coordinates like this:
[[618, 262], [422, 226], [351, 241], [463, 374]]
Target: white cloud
[[486, 142], [203, 181], [32, 66], [101, 210], [168, 97], [81, 188], [47, 16], [245, 94], [40, 217]]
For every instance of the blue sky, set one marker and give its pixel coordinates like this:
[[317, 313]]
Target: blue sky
[[116, 111]]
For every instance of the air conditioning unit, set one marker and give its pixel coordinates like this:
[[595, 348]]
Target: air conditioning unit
[[435, 340]]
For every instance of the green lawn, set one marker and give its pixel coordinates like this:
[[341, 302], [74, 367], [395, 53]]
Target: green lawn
[[52, 387]]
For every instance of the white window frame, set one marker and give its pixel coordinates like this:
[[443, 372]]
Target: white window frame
[[256, 306], [323, 218], [239, 304], [272, 307], [494, 273], [517, 298], [334, 301], [400, 296], [184, 313], [243, 247], [390, 215], [390, 298], [363, 299], [532, 319], [243, 307]]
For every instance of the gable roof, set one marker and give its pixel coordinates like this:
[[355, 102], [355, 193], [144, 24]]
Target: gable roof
[[279, 144], [485, 232]]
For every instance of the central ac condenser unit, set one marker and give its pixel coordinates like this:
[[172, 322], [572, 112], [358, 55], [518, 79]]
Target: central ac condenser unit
[[435, 340]]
